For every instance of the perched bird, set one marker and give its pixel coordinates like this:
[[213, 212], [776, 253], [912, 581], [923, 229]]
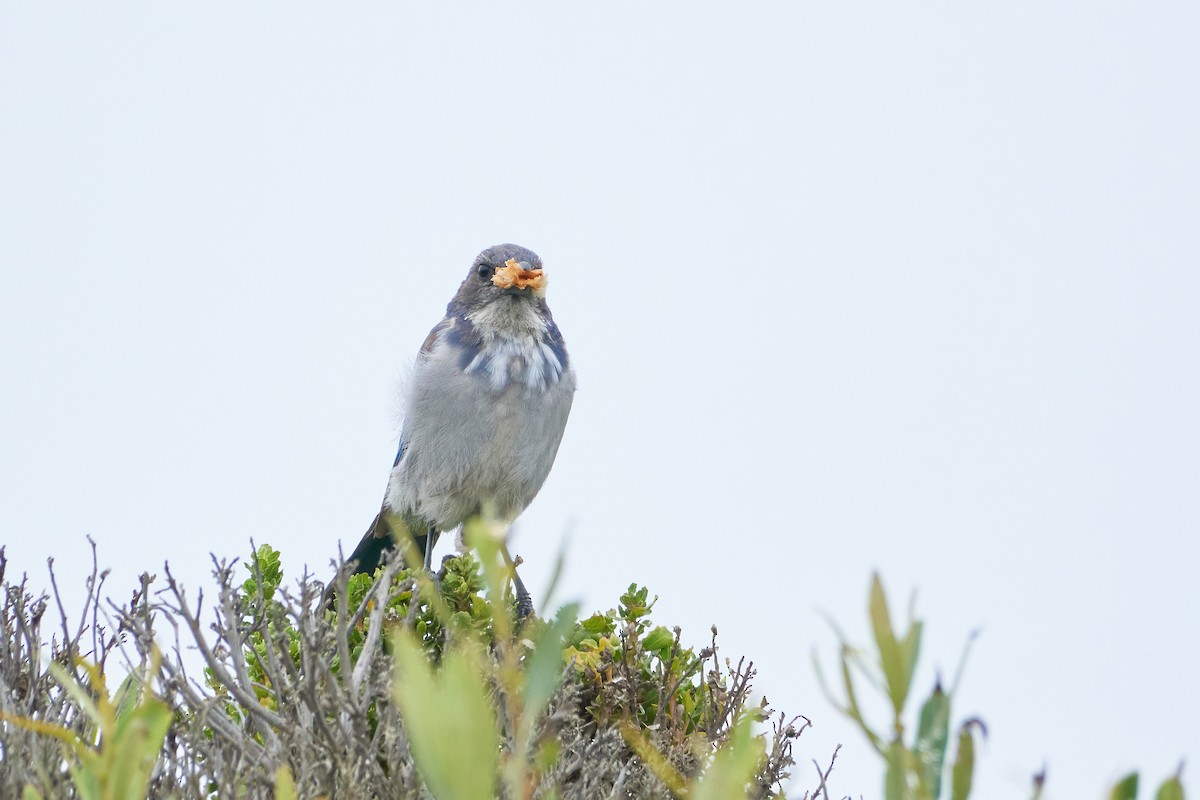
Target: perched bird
[[484, 411]]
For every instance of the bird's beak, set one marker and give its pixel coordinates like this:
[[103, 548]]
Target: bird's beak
[[516, 276]]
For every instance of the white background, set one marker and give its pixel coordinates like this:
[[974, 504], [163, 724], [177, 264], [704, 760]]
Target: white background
[[849, 286]]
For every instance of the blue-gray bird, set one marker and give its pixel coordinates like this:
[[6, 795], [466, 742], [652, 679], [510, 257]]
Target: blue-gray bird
[[484, 411]]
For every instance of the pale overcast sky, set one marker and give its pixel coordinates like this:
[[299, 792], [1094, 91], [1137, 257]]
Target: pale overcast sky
[[848, 286]]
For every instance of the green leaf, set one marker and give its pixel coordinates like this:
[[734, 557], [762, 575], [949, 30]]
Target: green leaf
[[635, 603], [1126, 788], [895, 779], [659, 641], [933, 731], [963, 771], [268, 562], [892, 658], [598, 623], [733, 767], [285, 784], [64, 735], [134, 749], [449, 720], [910, 648], [654, 760], [80, 695], [87, 779], [544, 668], [125, 701], [850, 707], [1171, 789]]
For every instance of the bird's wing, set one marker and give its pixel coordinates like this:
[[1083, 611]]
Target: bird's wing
[[374, 543], [435, 335]]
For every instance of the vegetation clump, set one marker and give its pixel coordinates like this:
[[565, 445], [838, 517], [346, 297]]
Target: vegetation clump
[[408, 687]]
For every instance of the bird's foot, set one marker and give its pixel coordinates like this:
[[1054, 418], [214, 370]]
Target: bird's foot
[[524, 601]]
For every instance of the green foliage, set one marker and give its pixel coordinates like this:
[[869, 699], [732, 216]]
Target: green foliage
[[473, 682], [619, 649], [1126, 788], [462, 712], [732, 771], [407, 679], [916, 770], [126, 732], [450, 719], [285, 784], [457, 597], [1170, 789]]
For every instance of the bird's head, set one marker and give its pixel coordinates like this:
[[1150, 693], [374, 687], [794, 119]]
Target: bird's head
[[505, 286]]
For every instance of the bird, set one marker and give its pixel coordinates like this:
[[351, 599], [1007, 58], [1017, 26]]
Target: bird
[[484, 410]]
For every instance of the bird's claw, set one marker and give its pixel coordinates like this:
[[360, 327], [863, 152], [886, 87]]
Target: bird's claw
[[524, 601]]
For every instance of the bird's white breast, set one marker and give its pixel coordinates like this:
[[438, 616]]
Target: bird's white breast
[[514, 348], [522, 360]]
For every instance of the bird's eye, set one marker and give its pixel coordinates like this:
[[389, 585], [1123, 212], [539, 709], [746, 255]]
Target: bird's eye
[[485, 271]]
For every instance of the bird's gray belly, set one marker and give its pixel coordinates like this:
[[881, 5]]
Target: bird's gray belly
[[468, 447]]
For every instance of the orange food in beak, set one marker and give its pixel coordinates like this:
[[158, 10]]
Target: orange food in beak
[[511, 275]]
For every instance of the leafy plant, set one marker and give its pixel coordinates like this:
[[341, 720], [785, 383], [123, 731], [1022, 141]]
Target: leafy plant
[[407, 678], [1170, 789], [114, 757], [913, 770], [485, 712]]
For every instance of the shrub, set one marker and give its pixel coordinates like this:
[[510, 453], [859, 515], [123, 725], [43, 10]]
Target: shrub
[[407, 688]]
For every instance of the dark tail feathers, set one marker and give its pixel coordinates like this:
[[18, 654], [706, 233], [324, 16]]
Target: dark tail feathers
[[368, 556]]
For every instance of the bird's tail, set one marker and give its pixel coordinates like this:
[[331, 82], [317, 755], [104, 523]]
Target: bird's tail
[[375, 542], [379, 539]]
